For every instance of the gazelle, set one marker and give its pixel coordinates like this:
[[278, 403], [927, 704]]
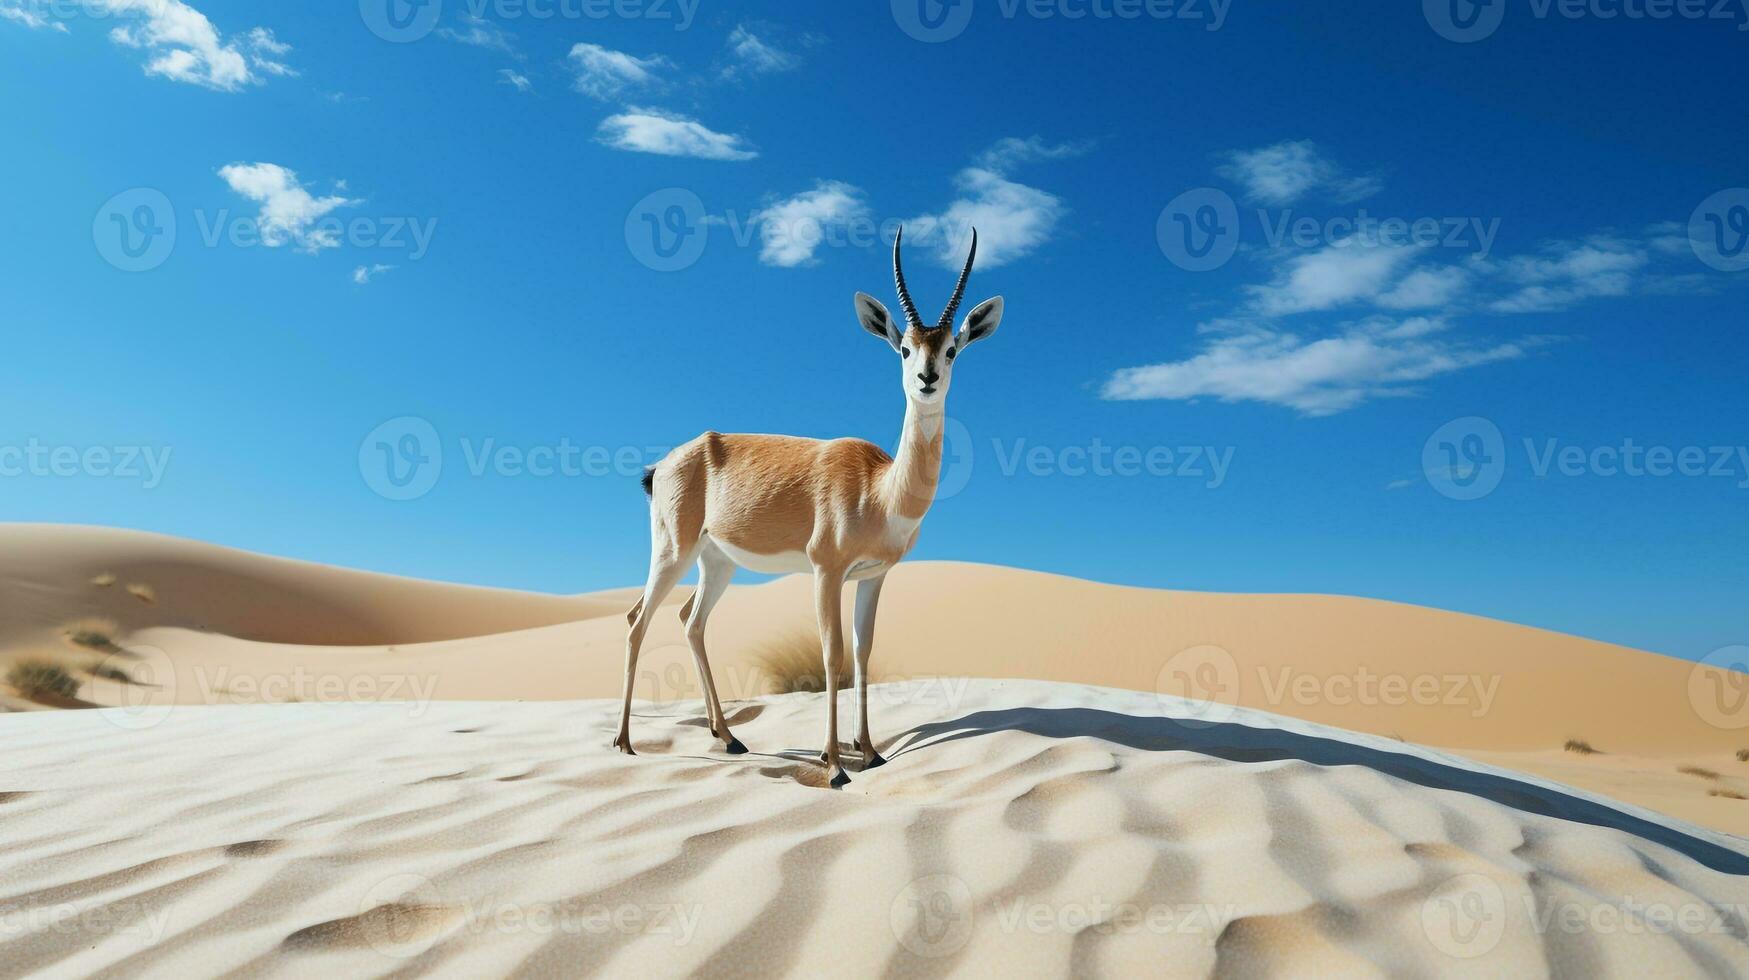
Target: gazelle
[[841, 509]]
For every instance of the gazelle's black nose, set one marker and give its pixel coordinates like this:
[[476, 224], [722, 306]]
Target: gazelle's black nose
[[928, 377]]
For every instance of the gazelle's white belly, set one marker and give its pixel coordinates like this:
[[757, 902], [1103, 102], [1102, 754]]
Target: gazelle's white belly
[[788, 562]]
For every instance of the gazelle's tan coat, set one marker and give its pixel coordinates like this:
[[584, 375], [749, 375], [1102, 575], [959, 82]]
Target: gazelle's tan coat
[[842, 509]]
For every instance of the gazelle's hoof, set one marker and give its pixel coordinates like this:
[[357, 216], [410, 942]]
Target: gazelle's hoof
[[735, 746], [624, 745], [874, 762], [841, 780]]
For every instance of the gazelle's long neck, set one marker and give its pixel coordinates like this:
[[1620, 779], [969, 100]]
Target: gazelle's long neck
[[909, 485]]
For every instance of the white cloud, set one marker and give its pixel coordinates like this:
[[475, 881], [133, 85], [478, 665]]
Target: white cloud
[[1568, 272], [185, 46], [1426, 289], [480, 33], [1011, 151], [1283, 173], [1012, 220], [265, 50], [605, 74], [289, 213], [365, 273], [17, 10], [792, 229], [751, 54], [515, 79], [1374, 359], [670, 134], [1335, 275]]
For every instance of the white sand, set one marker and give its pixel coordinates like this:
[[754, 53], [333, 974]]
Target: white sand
[[1019, 826]]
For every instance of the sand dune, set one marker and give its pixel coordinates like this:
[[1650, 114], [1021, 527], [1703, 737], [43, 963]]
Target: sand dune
[[228, 627], [1019, 827]]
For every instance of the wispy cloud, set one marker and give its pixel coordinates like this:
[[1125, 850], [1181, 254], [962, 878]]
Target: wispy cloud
[[480, 33], [1285, 172], [265, 50], [289, 213], [750, 54], [1012, 151], [365, 273], [1375, 358], [20, 11], [792, 229], [515, 79], [1335, 275], [1278, 346], [1013, 219], [184, 46], [1567, 272], [670, 134], [607, 74]]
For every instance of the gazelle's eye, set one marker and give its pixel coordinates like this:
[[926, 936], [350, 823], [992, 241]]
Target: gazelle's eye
[[950, 353], [904, 352]]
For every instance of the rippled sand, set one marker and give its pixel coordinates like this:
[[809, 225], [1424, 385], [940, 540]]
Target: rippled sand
[[1019, 828]]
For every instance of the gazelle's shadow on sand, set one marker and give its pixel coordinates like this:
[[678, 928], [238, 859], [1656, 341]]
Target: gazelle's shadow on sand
[[1240, 743]]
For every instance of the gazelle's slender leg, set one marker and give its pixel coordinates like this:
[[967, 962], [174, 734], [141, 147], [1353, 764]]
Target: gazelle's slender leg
[[829, 607], [868, 596], [714, 571], [666, 566]]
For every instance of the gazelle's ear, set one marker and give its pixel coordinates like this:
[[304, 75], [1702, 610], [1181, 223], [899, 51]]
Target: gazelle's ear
[[981, 322], [876, 320]]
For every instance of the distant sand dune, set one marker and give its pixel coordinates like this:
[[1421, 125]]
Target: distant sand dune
[[229, 627], [1020, 828]]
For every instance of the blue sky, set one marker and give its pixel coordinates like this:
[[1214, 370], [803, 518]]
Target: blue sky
[[261, 260]]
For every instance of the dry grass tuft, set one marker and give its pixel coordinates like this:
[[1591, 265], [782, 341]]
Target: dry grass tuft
[[109, 672], [794, 664], [93, 634], [1729, 794], [142, 592], [1743, 755], [36, 679], [104, 580], [1697, 771], [1579, 746]]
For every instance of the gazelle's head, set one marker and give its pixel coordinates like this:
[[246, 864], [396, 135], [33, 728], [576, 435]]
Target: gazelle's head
[[927, 352]]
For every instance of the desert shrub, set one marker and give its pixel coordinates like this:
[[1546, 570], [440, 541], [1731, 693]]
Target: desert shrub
[[794, 664], [1579, 746], [1697, 771], [36, 678]]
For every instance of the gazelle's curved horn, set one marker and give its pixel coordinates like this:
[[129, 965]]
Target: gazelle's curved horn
[[911, 316], [959, 289]]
